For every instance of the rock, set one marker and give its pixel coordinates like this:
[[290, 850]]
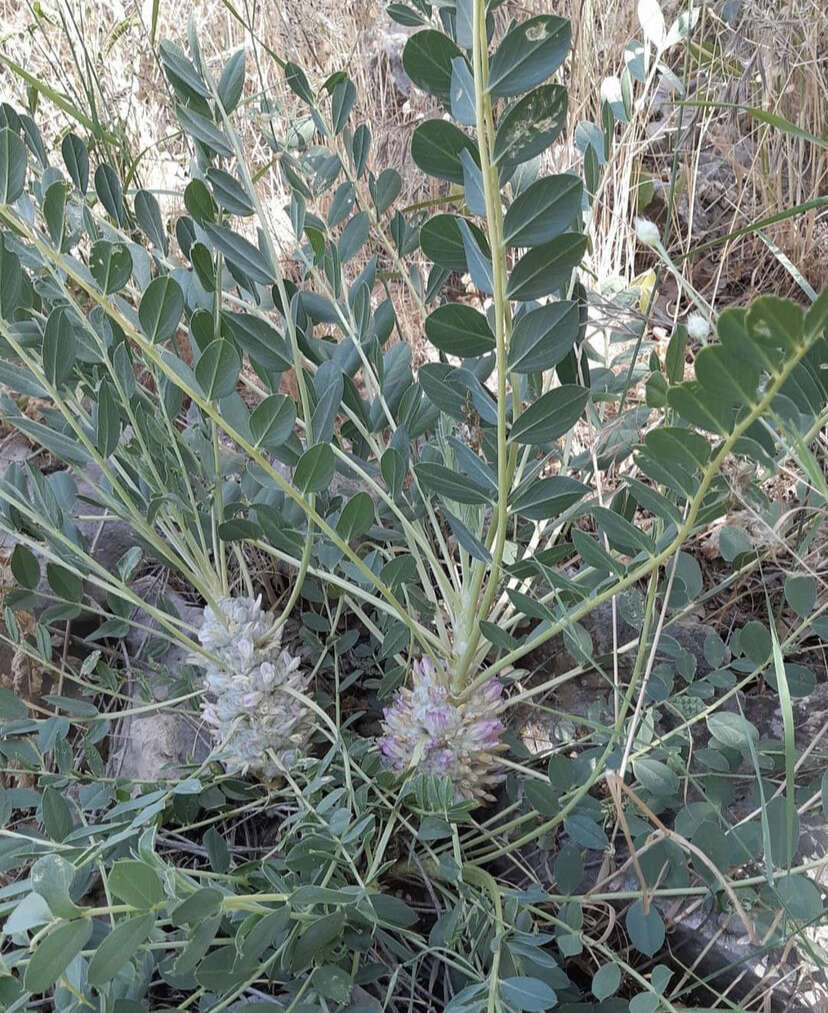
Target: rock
[[385, 50], [16, 449], [687, 634], [105, 539], [810, 714], [146, 747], [810, 719], [720, 952], [149, 747], [363, 1000], [714, 943], [582, 695]]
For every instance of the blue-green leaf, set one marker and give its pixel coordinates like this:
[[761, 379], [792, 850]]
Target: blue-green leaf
[[241, 253], [160, 309], [543, 210], [55, 953], [217, 370], [546, 268], [530, 53], [543, 337], [314, 469], [437, 478], [76, 160], [530, 994], [110, 264], [550, 416], [646, 931], [272, 421], [461, 330], [12, 166], [436, 147], [427, 58], [118, 948], [548, 497], [231, 82], [530, 126]]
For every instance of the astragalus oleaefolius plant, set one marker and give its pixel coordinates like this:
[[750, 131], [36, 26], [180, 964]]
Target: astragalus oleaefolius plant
[[437, 526]]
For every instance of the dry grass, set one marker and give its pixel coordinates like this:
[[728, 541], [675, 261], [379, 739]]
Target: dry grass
[[732, 169]]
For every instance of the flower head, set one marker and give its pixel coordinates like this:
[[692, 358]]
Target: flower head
[[424, 728], [251, 681]]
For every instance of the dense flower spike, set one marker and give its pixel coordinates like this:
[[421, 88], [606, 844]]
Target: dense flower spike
[[425, 730], [263, 728]]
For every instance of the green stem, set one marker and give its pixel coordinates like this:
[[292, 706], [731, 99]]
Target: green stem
[[218, 513], [474, 608], [296, 354], [479, 877]]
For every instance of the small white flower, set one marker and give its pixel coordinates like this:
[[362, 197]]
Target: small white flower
[[698, 327], [647, 232]]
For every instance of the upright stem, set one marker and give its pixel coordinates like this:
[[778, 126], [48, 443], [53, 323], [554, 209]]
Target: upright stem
[[474, 607], [219, 550]]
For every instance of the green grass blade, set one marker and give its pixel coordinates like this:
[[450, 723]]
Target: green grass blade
[[763, 814], [809, 464], [154, 20], [790, 742], [772, 119], [789, 266], [270, 52], [799, 209], [54, 96]]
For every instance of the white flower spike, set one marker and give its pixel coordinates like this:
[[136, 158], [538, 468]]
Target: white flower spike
[[263, 727]]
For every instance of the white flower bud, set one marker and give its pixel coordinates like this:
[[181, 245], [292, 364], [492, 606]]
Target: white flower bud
[[647, 232], [698, 327]]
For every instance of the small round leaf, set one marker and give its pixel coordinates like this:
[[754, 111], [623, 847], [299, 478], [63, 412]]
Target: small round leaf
[[110, 264], [646, 931], [606, 980]]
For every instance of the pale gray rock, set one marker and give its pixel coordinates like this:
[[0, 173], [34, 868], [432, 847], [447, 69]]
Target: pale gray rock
[[155, 746]]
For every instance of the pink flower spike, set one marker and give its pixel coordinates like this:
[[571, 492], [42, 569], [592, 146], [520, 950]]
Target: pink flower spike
[[460, 742]]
